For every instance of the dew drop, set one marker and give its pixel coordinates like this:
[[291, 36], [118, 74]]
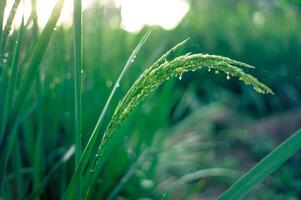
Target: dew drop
[[117, 85], [228, 76], [55, 28], [180, 77], [6, 55], [4, 60], [209, 69], [82, 71], [216, 71]]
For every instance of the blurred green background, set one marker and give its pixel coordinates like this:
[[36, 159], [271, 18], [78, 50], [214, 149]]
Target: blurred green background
[[201, 122]]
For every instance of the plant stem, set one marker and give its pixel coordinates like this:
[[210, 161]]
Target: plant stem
[[78, 82]]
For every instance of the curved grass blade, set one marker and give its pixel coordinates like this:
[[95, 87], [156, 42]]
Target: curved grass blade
[[203, 173], [91, 143], [264, 168]]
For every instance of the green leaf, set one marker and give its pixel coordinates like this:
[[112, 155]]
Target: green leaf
[[264, 168], [92, 140]]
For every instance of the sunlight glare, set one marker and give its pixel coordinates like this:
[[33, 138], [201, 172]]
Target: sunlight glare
[[165, 13], [134, 13], [44, 9]]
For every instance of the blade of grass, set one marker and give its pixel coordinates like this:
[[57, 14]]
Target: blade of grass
[[78, 84], [17, 164], [36, 57], [8, 24], [12, 82], [203, 173], [38, 159], [264, 168], [92, 140], [2, 8]]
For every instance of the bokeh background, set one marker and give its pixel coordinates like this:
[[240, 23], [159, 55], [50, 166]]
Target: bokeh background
[[201, 132]]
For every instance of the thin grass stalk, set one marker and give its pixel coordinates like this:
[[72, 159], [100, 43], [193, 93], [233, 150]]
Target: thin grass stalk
[[77, 78], [17, 164], [8, 25], [38, 149], [92, 140], [12, 82], [38, 159], [78, 85], [2, 9], [36, 58], [203, 173], [264, 168]]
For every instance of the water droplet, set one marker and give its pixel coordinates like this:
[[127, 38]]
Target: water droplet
[[216, 71], [55, 28], [82, 71], [209, 69], [6, 55], [92, 171], [16, 41], [117, 85], [4, 60], [132, 60], [180, 77], [228, 76]]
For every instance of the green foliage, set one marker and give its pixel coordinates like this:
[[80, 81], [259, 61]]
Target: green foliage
[[160, 137], [264, 168]]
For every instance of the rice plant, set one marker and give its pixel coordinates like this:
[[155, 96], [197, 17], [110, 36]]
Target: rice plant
[[29, 167]]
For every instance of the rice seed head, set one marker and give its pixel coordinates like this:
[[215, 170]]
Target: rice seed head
[[163, 70]]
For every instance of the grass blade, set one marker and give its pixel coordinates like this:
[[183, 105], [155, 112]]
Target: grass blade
[[2, 8], [12, 83], [77, 77], [203, 173], [78, 84], [8, 24], [37, 56], [264, 168], [92, 140]]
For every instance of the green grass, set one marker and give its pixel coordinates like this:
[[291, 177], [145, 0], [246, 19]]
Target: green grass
[[264, 168], [78, 83], [116, 131]]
